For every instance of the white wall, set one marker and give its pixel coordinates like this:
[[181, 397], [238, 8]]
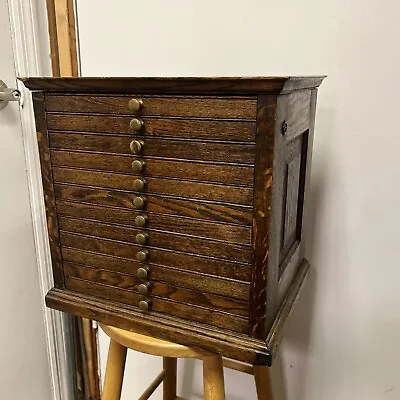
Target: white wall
[[343, 341]]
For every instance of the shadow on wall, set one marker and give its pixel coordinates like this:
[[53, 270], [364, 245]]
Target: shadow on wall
[[310, 326], [291, 369]]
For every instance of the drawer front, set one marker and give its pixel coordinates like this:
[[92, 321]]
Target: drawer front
[[160, 305], [226, 152], [241, 175], [190, 293], [170, 206], [176, 106], [213, 287], [170, 196], [173, 259], [158, 239], [179, 128], [166, 223], [157, 186]]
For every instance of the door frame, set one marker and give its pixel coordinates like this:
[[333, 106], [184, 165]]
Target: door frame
[[28, 22]]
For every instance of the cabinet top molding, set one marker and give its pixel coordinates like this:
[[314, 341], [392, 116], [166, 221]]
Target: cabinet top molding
[[182, 85]]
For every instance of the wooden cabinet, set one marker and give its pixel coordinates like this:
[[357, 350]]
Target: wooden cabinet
[[175, 205]]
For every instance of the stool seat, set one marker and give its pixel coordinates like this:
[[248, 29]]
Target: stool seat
[[213, 376], [150, 345]]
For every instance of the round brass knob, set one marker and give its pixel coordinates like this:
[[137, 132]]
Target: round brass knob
[[144, 305], [141, 220], [135, 104], [141, 238], [142, 255], [139, 202], [139, 184], [143, 272], [136, 146], [136, 124], [138, 166], [143, 288]]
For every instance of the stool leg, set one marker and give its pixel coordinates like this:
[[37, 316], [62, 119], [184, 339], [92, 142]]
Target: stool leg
[[213, 378], [263, 382], [114, 371], [169, 382]]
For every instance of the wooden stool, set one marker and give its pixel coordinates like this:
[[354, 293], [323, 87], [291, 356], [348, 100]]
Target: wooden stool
[[213, 376]]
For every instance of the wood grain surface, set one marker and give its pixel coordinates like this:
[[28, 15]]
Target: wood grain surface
[[261, 217], [166, 223], [297, 113], [163, 106], [158, 288], [235, 175], [172, 308], [182, 85], [228, 288], [48, 189], [172, 127], [189, 333], [170, 187], [160, 240], [168, 258], [156, 147], [158, 204]]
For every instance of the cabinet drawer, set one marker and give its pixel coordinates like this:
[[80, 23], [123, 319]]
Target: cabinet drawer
[[163, 284], [166, 223], [185, 279], [171, 127], [242, 175], [171, 308], [158, 239], [170, 187], [228, 152], [173, 259], [177, 106], [198, 209]]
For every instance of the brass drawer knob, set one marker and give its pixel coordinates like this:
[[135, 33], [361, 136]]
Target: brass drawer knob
[[136, 146], [136, 124], [141, 220], [142, 255], [139, 184], [141, 238], [144, 288], [144, 305], [139, 202], [135, 104], [143, 272], [138, 166]]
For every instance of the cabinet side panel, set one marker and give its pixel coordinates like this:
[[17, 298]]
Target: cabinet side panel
[[290, 160], [298, 154], [266, 110], [48, 189]]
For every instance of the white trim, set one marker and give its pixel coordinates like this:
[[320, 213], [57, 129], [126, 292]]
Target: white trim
[[27, 19]]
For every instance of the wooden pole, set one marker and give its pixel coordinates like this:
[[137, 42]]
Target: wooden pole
[[62, 31]]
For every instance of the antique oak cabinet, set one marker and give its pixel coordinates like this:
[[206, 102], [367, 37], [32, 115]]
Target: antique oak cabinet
[[175, 205]]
